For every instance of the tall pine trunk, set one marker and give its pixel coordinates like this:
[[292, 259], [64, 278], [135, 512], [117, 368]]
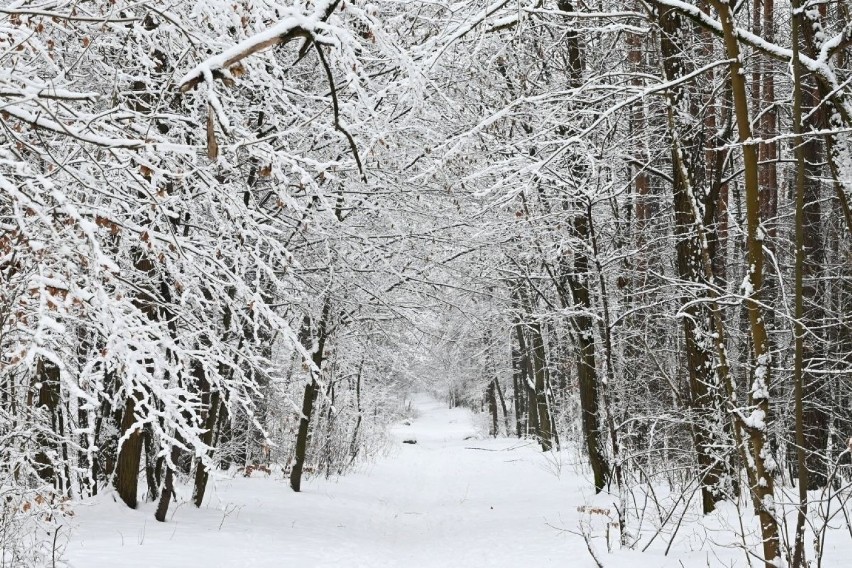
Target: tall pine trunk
[[814, 385], [799, 328]]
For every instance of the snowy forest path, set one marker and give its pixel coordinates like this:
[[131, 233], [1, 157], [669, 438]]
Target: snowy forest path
[[454, 498]]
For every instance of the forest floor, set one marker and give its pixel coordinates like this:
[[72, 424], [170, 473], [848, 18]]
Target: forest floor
[[453, 499]]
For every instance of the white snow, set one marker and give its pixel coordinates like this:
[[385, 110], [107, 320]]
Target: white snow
[[453, 499]]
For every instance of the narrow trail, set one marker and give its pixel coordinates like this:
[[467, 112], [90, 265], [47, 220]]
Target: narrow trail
[[452, 499]]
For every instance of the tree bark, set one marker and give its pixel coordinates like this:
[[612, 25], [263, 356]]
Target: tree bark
[[151, 470], [587, 373], [518, 380], [491, 397], [527, 373], [502, 400], [311, 389], [130, 453], [814, 387], [201, 472], [308, 400], [46, 381], [539, 361], [168, 490], [799, 330], [763, 485], [577, 276], [129, 456], [704, 400]]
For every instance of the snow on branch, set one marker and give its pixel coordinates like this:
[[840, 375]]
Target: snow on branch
[[61, 128], [697, 15], [837, 43], [513, 19], [293, 26], [820, 66], [463, 29], [73, 17], [48, 93]]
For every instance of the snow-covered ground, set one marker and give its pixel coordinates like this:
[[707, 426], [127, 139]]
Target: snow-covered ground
[[452, 499]]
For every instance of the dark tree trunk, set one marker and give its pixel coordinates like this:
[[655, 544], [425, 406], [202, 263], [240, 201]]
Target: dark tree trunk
[[302, 437], [527, 375], [201, 473], [705, 400], [224, 435], [502, 400], [577, 276], [539, 363], [104, 460], [168, 490], [130, 453], [587, 373], [761, 463], [801, 152], [152, 477], [129, 456], [46, 379], [814, 385], [311, 389], [491, 397], [517, 392]]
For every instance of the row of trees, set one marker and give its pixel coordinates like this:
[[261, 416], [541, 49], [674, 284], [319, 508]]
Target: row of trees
[[236, 233], [197, 272], [670, 186]]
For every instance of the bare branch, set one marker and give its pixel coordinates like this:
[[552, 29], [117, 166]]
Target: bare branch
[[334, 103]]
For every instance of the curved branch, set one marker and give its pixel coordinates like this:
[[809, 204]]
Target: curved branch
[[334, 103]]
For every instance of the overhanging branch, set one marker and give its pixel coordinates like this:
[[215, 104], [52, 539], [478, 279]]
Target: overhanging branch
[[294, 26]]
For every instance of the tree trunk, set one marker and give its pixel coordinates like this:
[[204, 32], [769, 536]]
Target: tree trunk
[[577, 277], [46, 380], [704, 399], [502, 405], [151, 471], [799, 329], [641, 181], [527, 373], [763, 485], [518, 379], [491, 397], [814, 386], [168, 491], [129, 456], [539, 361], [201, 472], [308, 399], [311, 389], [130, 453], [587, 373]]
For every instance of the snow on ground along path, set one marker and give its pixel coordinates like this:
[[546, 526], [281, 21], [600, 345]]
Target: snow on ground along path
[[453, 499], [434, 503]]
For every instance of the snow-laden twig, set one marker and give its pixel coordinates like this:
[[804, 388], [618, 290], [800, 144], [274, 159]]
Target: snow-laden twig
[[293, 26]]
